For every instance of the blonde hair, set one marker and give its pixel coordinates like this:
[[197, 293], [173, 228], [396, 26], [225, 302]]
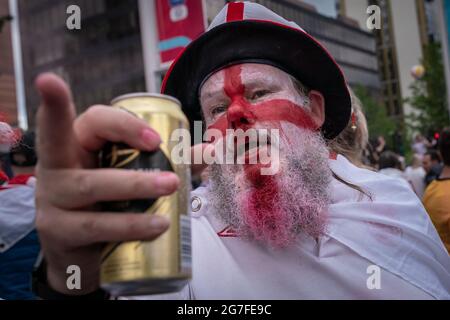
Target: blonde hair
[[352, 141]]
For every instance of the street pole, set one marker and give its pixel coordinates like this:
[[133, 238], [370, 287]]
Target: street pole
[[22, 115], [149, 40]]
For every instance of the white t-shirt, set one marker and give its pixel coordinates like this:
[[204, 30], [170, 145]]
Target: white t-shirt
[[417, 178], [17, 213], [390, 236]]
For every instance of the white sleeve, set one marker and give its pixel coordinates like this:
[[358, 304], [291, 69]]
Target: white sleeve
[[17, 214]]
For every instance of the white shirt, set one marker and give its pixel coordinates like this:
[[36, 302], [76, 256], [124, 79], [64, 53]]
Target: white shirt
[[393, 232], [393, 172], [17, 214], [417, 178]]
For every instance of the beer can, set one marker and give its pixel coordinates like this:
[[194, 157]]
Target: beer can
[[162, 265]]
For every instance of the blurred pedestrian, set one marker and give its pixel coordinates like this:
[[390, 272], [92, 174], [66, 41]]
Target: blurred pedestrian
[[437, 195], [23, 158], [19, 243], [416, 175], [390, 165], [380, 146], [370, 153], [8, 137], [420, 144], [432, 165]]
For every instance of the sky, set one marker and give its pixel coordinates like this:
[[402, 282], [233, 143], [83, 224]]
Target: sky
[[325, 7]]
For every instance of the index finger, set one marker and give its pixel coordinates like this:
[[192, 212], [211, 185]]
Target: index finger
[[56, 143]]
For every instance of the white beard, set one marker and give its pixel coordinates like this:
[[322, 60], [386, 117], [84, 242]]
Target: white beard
[[292, 202]]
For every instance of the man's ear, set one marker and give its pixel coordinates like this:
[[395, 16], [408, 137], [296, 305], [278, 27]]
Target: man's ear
[[317, 107]]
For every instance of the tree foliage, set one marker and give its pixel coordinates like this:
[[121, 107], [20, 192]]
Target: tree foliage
[[378, 121], [429, 98]]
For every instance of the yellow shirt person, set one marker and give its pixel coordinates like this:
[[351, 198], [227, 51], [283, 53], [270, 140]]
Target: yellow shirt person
[[437, 202]]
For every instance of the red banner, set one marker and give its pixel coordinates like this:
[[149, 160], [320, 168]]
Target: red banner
[[179, 22]]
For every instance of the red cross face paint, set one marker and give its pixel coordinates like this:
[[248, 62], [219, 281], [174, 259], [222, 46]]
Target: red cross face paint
[[240, 96], [272, 209]]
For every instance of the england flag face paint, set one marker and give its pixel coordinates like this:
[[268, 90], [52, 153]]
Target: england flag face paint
[[256, 96], [253, 92]]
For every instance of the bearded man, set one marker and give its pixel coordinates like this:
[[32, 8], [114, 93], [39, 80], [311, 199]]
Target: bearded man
[[319, 228]]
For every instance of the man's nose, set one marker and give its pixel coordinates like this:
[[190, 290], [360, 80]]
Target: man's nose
[[239, 115]]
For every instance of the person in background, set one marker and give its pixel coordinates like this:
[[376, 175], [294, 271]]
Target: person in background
[[432, 165], [437, 195], [390, 165], [416, 175], [370, 153], [5, 165], [24, 159], [19, 243], [8, 138], [420, 145], [380, 145]]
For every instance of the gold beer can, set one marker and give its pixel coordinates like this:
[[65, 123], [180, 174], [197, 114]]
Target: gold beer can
[[162, 265]]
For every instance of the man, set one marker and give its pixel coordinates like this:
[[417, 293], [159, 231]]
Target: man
[[8, 138], [390, 165], [309, 231], [420, 144], [19, 243], [437, 195], [23, 157], [416, 175], [432, 165]]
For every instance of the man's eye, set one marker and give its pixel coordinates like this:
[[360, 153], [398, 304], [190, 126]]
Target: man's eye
[[218, 109], [259, 94]]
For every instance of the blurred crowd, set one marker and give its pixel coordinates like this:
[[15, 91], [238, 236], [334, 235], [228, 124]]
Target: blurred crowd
[[428, 172]]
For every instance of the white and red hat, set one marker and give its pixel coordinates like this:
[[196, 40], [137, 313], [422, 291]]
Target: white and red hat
[[249, 32]]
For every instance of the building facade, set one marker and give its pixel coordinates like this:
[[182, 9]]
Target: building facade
[[8, 105], [109, 57], [406, 27], [100, 61]]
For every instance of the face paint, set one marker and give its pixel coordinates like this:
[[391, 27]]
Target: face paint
[[258, 206], [242, 114]]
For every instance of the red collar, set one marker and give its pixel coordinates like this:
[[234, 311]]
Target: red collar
[[20, 179], [3, 177]]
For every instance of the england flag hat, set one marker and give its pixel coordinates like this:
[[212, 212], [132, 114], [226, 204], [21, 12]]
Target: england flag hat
[[249, 32]]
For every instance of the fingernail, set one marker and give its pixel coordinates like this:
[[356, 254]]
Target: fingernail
[[159, 222], [167, 180], [150, 137]]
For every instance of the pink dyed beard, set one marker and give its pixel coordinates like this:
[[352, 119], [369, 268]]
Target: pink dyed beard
[[275, 210]]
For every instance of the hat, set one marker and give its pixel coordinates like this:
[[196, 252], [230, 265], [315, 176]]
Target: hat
[[245, 32]]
